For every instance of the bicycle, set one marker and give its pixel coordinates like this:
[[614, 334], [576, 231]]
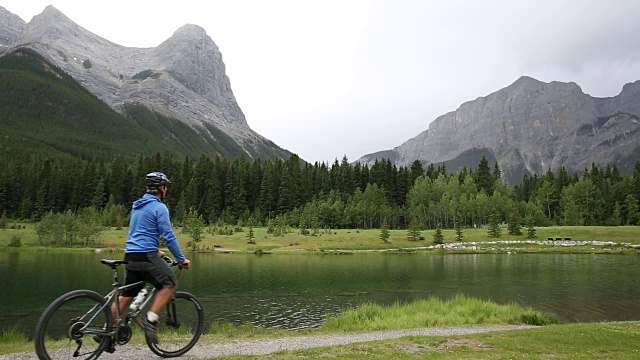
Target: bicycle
[[79, 323]]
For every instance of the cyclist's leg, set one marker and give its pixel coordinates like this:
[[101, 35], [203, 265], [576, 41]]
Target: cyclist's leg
[[165, 281], [157, 272], [124, 302], [163, 296]]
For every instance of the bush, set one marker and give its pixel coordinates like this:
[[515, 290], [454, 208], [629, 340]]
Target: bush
[[69, 229], [16, 241]]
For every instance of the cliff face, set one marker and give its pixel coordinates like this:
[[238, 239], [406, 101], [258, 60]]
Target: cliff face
[[184, 77], [12, 27], [531, 126]]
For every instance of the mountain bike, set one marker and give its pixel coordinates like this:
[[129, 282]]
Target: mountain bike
[[80, 324]]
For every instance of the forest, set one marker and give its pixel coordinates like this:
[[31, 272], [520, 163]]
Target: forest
[[319, 195]]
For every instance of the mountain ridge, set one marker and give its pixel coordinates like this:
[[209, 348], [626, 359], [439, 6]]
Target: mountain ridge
[[187, 75], [530, 126]]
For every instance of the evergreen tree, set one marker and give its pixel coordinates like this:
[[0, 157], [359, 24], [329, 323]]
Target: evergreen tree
[[437, 236], [459, 227], [3, 221], [250, 234], [302, 225], [631, 206], [515, 225], [531, 230], [315, 224], [483, 177], [494, 224], [194, 226], [416, 170], [413, 233], [384, 232], [497, 174]]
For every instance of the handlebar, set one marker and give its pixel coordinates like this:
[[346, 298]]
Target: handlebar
[[171, 262]]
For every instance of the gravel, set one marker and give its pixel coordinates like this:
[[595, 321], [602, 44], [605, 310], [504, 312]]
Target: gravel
[[268, 346]]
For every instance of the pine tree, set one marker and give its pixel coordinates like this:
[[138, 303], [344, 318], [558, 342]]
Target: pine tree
[[494, 224], [302, 226], [631, 206], [384, 232], [315, 224], [3, 221], [483, 177], [437, 236], [416, 170], [413, 233], [459, 227], [250, 234], [531, 230], [514, 225], [497, 174], [194, 226]]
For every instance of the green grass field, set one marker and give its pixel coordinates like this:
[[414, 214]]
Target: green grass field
[[355, 239]]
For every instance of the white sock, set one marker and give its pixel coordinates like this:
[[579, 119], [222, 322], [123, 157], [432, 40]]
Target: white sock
[[152, 317]]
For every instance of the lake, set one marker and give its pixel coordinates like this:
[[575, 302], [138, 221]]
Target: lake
[[296, 291]]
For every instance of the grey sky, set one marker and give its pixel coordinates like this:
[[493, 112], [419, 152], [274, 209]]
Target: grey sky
[[328, 78]]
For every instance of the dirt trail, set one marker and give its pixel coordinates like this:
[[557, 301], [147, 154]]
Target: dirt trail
[[272, 345]]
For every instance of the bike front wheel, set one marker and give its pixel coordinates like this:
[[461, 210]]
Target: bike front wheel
[[67, 328], [180, 327]]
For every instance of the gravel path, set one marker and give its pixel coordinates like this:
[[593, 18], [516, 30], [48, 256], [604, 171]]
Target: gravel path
[[268, 346]]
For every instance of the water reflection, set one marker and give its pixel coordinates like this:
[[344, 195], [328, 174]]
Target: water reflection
[[300, 291]]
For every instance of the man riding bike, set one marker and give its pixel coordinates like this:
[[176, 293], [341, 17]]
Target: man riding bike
[[150, 220]]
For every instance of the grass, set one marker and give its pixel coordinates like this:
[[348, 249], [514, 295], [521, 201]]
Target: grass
[[434, 312], [360, 240], [14, 341], [617, 340]]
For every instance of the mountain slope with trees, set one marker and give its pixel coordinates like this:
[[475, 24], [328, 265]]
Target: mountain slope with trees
[[46, 112], [183, 79]]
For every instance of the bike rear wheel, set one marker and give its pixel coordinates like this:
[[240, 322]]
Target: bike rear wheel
[[59, 332], [180, 327]]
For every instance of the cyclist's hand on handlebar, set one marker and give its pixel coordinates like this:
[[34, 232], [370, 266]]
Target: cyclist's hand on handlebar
[[185, 264]]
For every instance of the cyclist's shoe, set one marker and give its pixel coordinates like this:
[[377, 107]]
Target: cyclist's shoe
[[149, 329]]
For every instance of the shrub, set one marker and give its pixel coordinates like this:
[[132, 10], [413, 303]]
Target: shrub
[[70, 229], [15, 241]]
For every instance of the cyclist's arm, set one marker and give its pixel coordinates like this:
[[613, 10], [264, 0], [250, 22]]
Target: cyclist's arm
[[164, 225]]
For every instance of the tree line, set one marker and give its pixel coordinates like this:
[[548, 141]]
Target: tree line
[[320, 195]]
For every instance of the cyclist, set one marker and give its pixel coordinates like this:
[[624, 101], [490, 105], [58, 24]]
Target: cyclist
[[150, 220]]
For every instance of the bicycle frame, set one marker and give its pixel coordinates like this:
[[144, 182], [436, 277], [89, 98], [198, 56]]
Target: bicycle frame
[[114, 297]]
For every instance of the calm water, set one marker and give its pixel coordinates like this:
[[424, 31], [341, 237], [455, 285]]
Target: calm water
[[298, 291]]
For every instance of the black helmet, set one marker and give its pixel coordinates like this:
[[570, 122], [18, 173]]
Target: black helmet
[[156, 180]]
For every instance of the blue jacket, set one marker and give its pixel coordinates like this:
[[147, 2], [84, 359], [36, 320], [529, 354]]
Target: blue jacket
[[149, 220]]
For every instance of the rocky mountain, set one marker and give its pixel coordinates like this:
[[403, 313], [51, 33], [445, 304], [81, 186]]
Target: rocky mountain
[[184, 77], [529, 127]]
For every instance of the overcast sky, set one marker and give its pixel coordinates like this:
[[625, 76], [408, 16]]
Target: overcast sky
[[330, 78]]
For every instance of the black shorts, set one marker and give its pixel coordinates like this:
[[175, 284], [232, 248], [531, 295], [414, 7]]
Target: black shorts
[[147, 267]]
